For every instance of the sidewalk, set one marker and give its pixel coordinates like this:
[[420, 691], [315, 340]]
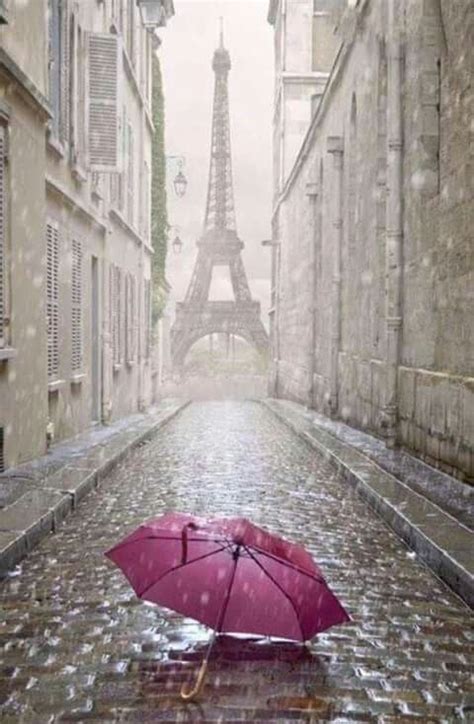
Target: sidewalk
[[36, 496], [432, 512]]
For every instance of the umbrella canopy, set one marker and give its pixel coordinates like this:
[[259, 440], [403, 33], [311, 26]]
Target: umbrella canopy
[[230, 575]]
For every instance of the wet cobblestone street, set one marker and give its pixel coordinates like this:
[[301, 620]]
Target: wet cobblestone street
[[76, 644]]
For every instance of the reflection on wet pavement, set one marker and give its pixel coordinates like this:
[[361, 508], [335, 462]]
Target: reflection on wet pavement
[[76, 645]]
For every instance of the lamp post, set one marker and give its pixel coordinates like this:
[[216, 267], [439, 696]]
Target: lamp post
[[153, 13], [180, 182]]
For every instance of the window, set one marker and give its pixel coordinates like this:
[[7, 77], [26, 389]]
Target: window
[[145, 225], [116, 315], [104, 59], [52, 299], [76, 307], [3, 234], [147, 291], [131, 32], [77, 93], [130, 175], [130, 323], [59, 92]]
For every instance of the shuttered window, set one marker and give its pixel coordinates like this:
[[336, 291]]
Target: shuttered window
[[131, 176], [130, 317], [76, 307], [3, 230], [77, 92], [52, 299], [112, 310], [117, 314], [59, 67], [104, 57], [147, 318]]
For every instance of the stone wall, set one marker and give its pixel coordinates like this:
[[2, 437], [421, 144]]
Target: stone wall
[[339, 255]]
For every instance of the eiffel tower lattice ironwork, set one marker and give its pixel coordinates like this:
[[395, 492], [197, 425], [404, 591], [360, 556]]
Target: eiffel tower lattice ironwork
[[219, 245]]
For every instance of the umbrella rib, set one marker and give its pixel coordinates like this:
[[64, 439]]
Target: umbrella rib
[[318, 579], [224, 608], [280, 588], [176, 568]]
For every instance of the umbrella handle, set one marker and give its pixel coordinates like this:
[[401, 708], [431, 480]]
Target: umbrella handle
[[191, 694]]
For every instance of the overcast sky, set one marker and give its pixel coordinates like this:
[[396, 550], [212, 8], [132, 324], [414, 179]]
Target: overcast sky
[[188, 44]]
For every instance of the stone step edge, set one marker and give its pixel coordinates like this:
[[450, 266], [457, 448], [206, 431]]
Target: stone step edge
[[56, 505], [444, 563]]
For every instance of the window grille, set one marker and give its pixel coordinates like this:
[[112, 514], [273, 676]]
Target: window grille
[[52, 299], [77, 285]]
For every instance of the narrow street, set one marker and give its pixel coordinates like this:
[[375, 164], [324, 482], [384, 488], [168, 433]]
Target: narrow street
[[76, 644]]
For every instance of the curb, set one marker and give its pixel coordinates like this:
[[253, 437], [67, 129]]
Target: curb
[[38, 512], [439, 540]]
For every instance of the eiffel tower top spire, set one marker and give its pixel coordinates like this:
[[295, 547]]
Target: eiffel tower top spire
[[219, 220]]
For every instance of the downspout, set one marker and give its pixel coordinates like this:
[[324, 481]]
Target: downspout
[[335, 146], [394, 238], [312, 192]]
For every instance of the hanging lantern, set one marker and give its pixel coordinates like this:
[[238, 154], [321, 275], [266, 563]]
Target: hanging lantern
[[153, 13], [180, 184]]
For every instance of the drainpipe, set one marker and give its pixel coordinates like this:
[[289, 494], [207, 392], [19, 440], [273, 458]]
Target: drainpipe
[[394, 238], [312, 192], [335, 146]]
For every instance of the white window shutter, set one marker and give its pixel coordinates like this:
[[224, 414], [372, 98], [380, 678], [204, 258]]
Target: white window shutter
[[65, 94], [52, 299], [76, 290], [3, 204], [104, 64]]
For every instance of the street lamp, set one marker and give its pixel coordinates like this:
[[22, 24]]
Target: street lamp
[[180, 181], [180, 184], [177, 244], [153, 13]]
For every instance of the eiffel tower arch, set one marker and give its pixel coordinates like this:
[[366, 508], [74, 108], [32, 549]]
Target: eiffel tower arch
[[219, 245]]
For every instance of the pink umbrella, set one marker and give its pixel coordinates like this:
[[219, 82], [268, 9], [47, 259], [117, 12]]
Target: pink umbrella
[[230, 575]]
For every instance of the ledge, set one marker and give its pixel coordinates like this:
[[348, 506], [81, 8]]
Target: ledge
[[115, 215], [55, 145], [56, 385], [32, 93], [74, 203], [7, 353]]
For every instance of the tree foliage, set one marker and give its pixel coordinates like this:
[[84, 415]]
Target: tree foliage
[[159, 214]]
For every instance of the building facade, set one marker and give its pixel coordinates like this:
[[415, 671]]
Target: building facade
[[75, 253], [373, 271]]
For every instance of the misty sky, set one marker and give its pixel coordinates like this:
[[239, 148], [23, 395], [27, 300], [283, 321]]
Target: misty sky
[[186, 54]]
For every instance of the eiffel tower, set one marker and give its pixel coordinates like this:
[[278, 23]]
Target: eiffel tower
[[219, 245]]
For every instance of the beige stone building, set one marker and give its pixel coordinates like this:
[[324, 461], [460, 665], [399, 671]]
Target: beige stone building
[[373, 226], [75, 253]]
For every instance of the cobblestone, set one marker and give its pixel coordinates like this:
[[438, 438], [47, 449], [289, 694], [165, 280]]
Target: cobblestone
[[76, 645]]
